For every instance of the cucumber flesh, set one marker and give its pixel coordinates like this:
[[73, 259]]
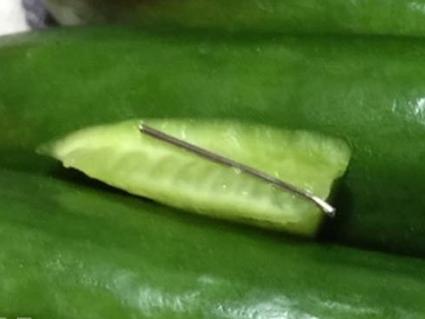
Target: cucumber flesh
[[119, 155]]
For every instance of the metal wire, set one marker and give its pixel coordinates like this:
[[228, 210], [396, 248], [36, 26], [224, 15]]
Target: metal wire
[[217, 158]]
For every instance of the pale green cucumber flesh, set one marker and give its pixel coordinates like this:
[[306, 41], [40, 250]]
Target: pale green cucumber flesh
[[119, 155]]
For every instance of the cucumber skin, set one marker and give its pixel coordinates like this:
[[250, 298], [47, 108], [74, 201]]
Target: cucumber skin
[[72, 250], [367, 91], [384, 17]]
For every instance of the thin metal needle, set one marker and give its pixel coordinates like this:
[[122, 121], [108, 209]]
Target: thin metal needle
[[322, 204]]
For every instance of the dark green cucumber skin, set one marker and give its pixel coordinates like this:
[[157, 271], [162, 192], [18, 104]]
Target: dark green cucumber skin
[[74, 248], [368, 91], [388, 17]]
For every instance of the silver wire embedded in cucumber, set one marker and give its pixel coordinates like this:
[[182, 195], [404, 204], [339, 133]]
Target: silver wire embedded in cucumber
[[252, 171]]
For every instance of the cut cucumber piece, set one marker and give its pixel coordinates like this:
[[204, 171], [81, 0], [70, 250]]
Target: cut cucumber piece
[[119, 155]]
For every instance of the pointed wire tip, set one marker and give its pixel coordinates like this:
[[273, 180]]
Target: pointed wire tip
[[325, 206]]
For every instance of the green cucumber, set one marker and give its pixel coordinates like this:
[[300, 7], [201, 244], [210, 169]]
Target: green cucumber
[[120, 156], [389, 17], [367, 91], [71, 248]]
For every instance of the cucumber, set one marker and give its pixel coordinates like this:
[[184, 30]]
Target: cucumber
[[71, 248], [366, 91], [383, 17], [120, 156]]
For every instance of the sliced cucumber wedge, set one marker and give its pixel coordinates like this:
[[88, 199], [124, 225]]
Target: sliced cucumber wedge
[[119, 155]]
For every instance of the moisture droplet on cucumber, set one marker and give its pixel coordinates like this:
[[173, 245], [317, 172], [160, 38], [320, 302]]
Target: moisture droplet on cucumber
[[119, 155]]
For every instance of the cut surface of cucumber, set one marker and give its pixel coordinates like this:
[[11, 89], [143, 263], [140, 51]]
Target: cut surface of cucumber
[[119, 155]]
